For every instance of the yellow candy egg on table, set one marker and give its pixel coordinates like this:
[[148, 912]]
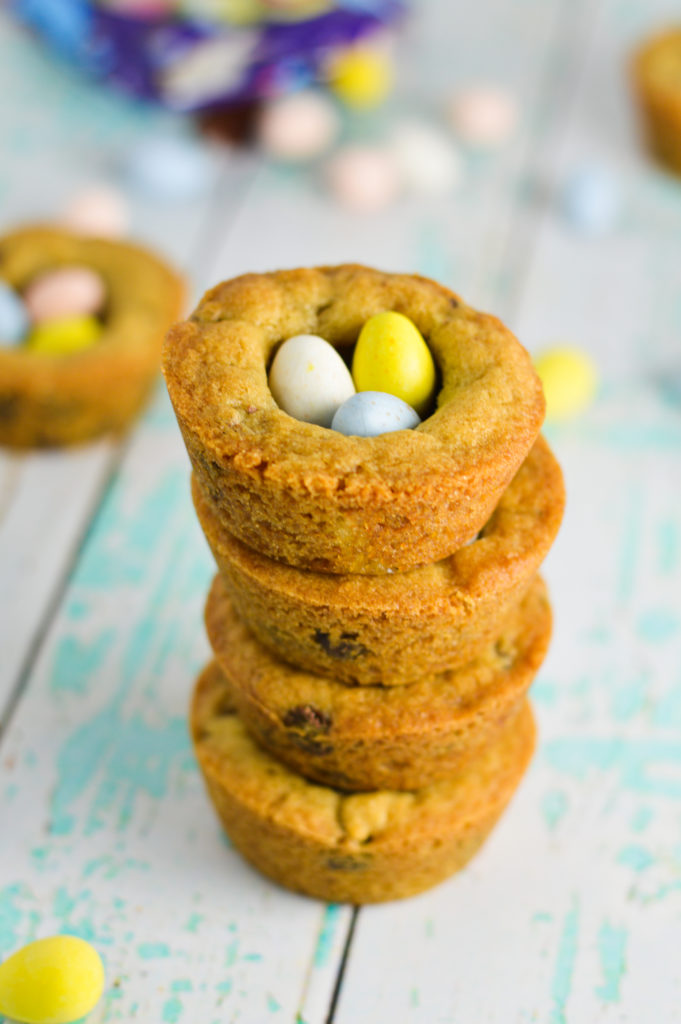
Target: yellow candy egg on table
[[51, 981], [361, 77], [64, 337], [391, 356], [570, 381]]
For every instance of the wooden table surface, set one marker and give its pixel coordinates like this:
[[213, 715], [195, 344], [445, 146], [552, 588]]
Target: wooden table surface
[[572, 912]]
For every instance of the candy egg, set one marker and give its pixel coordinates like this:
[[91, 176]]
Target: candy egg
[[64, 292], [570, 381], [14, 321], [590, 200], [426, 158], [98, 210], [170, 168], [51, 981], [361, 77], [298, 127], [309, 380], [363, 178], [64, 337], [391, 356], [483, 115], [370, 413]]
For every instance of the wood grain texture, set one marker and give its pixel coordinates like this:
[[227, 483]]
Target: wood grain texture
[[569, 913]]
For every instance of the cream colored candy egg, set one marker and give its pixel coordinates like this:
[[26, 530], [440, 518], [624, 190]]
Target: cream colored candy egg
[[570, 381], [309, 380], [51, 981], [65, 337], [391, 356], [363, 178], [99, 210], [66, 291], [483, 115]]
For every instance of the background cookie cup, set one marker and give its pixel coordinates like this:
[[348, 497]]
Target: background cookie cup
[[353, 848], [316, 499], [657, 83], [64, 399], [391, 629], [364, 738]]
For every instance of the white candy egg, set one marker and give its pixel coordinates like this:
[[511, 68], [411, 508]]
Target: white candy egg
[[64, 292], [309, 380], [369, 413], [363, 178], [483, 115], [298, 127], [426, 158]]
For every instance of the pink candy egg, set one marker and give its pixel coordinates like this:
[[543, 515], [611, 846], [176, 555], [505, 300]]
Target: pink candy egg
[[298, 127], [363, 178], [98, 210], [483, 115], [66, 292]]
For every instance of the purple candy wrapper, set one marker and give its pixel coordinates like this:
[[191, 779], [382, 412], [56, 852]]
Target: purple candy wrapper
[[187, 65]]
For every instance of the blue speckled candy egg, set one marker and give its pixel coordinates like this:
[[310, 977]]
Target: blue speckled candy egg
[[370, 413], [591, 200], [170, 168], [14, 322]]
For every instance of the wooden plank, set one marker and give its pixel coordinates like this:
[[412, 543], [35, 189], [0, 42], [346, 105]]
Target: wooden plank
[[105, 829], [58, 135], [567, 913]]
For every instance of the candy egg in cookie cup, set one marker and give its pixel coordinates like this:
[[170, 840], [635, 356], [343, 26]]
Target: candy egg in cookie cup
[[87, 354], [319, 499]]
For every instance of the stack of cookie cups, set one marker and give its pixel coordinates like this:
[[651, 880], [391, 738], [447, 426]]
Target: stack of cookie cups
[[377, 617]]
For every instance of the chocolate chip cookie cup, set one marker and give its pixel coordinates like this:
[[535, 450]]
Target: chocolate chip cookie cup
[[349, 848], [369, 737], [656, 73], [316, 499], [394, 628], [50, 400]]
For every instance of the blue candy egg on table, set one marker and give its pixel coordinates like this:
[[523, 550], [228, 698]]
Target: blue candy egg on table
[[14, 321], [591, 200], [170, 168], [370, 413]]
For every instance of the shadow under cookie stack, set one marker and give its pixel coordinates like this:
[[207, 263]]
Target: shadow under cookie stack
[[377, 617]]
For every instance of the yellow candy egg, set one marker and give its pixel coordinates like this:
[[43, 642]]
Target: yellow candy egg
[[51, 981], [570, 381], [64, 337], [391, 356], [361, 77]]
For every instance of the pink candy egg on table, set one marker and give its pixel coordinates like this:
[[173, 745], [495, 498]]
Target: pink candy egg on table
[[64, 292], [298, 127], [363, 178], [98, 210], [483, 115]]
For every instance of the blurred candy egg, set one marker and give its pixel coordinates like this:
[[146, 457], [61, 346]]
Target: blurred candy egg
[[98, 210], [51, 981], [64, 337], [391, 356], [361, 77], [570, 381], [309, 380], [363, 178], [64, 292], [426, 158], [590, 200], [298, 127], [370, 413], [14, 321], [170, 168], [483, 116]]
